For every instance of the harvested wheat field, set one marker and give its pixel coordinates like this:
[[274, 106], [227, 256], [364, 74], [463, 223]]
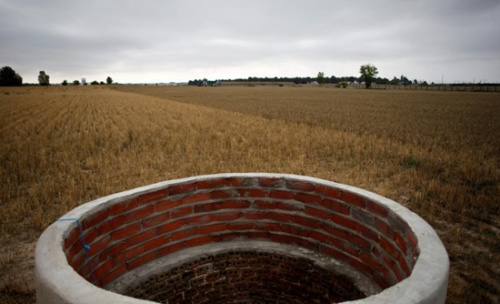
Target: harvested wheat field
[[438, 153]]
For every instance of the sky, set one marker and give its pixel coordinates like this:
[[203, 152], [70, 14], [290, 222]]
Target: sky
[[152, 41]]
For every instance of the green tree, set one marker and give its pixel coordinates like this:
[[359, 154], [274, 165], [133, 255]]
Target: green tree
[[368, 72], [43, 79], [109, 80], [321, 78], [76, 82], [64, 83], [9, 77], [395, 80]]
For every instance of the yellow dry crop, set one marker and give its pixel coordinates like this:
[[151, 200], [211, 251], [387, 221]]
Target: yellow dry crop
[[437, 153]]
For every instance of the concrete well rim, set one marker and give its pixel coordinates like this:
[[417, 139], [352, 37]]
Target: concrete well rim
[[426, 284]]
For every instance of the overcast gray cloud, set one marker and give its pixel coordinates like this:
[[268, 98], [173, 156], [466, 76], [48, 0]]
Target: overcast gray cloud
[[163, 41]]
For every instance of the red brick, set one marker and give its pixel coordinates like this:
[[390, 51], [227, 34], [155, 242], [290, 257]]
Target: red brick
[[252, 193], [269, 182], [201, 240], [252, 215], [368, 260], [94, 219], [404, 266], [234, 181], [182, 234], [221, 194], [360, 266], [384, 228], [334, 253], [353, 199], [225, 217], [412, 239], [284, 238], [282, 194], [123, 206], [90, 235], [77, 247], [266, 205], [336, 206], [195, 197], [257, 234], [125, 231], [323, 238], [140, 237], [266, 226], [281, 217], [345, 222], [317, 213], [70, 254], [209, 184], [389, 248], [226, 237], [327, 191], [401, 242], [142, 260], [112, 275], [156, 220], [394, 268], [347, 247], [103, 269], [335, 231], [367, 232], [139, 214], [156, 243], [199, 219], [240, 226], [113, 250], [171, 248], [72, 237], [290, 206], [167, 205], [207, 207], [303, 221], [169, 227], [152, 196], [181, 212], [291, 229], [184, 188], [112, 224], [78, 261], [354, 239], [235, 204], [99, 245], [308, 198], [129, 254], [211, 228], [377, 208], [299, 185], [381, 282]]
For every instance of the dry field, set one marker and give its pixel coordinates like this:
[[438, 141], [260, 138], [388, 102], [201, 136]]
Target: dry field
[[438, 153]]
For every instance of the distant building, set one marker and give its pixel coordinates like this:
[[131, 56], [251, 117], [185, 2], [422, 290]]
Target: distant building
[[84, 81]]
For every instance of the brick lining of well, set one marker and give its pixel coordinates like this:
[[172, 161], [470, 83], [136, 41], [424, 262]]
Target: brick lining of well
[[133, 231]]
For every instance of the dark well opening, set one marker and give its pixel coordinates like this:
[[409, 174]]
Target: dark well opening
[[246, 277]]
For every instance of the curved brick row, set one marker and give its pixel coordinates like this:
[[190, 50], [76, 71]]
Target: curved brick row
[[132, 230]]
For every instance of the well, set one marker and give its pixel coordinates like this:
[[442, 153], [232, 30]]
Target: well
[[241, 238]]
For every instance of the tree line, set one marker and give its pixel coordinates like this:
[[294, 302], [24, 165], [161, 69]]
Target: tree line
[[9, 77], [368, 75]]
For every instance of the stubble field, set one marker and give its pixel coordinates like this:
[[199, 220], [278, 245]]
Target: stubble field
[[438, 153]]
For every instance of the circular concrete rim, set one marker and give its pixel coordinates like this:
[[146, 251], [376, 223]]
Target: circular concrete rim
[[426, 284]]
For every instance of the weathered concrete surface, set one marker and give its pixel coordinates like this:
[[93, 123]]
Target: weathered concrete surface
[[58, 283]]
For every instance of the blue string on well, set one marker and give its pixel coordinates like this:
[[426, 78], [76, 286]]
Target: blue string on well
[[86, 247]]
